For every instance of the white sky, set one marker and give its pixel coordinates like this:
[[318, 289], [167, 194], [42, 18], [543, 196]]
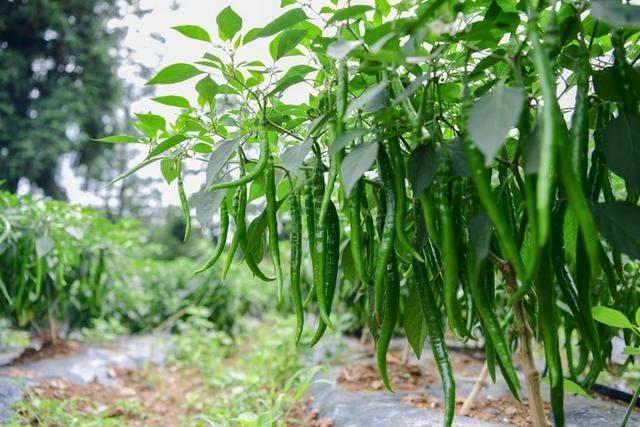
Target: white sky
[[142, 39]]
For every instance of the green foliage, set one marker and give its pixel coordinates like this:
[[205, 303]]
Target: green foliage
[[266, 381], [59, 86], [438, 133], [78, 267]]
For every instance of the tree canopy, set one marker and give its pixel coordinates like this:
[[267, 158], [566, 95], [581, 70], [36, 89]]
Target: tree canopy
[[58, 86]]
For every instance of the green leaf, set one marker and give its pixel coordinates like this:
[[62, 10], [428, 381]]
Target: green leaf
[[356, 163], [118, 139], [480, 230], [348, 13], [293, 156], [151, 124], [421, 167], [135, 169], [610, 317], [294, 75], [637, 316], [631, 351], [289, 40], [193, 32], [347, 266], [341, 48], [492, 117], [299, 71], [169, 169], [229, 23], [410, 89], [284, 84], [207, 89], [571, 387], [285, 3], [607, 86], [459, 163], [415, 325], [256, 236], [167, 144], [285, 21], [619, 223], [616, 14], [621, 147], [207, 203], [173, 101], [367, 97], [345, 138], [220, 157], [175, 73], [202, 148]]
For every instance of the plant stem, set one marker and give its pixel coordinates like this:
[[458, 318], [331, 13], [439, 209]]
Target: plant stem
[[632, 405], [531, 375], [477, 388]]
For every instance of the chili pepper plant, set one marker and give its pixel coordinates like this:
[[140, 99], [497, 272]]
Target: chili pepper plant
[[480, 156]]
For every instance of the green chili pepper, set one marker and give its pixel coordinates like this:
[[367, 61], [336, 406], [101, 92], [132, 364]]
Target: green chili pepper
[[580, 118], [390, 317], [241, 227], [429, 216], [450, 257], [567, 286], [488, 200], [185, 204], [272, 224], [235, 240], [436, 338], [387, 236], [222, 238], [296, 259], [622, 71], [551, 133], [320, 242], [493, 330], [332, 258], [357, 248], [398, 171], [255, 172], [548, 325]]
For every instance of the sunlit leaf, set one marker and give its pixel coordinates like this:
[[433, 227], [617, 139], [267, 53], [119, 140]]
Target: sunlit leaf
[[348, 13], [193, 32], [173, 101], [229, 23], [118, 139], [610, 317], [175, 73]]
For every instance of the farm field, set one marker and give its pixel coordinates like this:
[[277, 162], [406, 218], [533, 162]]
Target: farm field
[[319, 213]]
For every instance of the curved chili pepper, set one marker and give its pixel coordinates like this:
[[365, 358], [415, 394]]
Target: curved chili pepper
[[272, 224], [222, 238]]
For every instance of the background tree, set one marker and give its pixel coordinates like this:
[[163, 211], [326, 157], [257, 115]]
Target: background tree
[[58, 87]]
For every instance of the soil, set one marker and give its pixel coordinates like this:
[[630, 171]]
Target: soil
[[304, 415], [148, 397], [411, 377], [48, 350], [155, 396], [365, 376], [503, 409]]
